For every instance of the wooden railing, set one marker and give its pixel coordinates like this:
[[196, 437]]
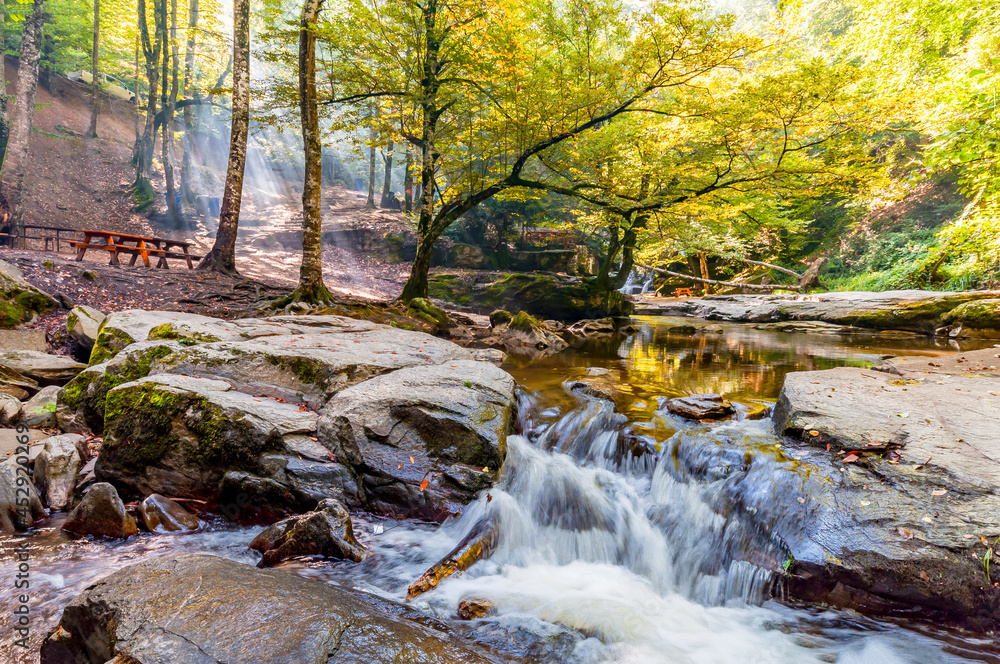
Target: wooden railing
[[53, 238]]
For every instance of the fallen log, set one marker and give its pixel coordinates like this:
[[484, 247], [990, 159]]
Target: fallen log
[[477, 545], [732, 284], [778, 268]]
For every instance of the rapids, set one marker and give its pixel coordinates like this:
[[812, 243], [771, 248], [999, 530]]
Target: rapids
[[606, 552]]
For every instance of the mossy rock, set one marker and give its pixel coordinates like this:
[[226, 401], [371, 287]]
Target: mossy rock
[[524, 322], [422, 309], [543, 295], [20, 302], [979, 318], [178, 435]]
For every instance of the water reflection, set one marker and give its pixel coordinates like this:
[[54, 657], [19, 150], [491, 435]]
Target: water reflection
[[673, 357]]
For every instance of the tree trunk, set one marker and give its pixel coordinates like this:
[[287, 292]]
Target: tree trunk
[[732, 284], [187, 191], [151, 53], [4, 111], [417, 285], [311, 287], [614, 246], [387, 181], [135, 103], [169, 109], [222, 257], [95, 98], [370, 203], [16, 162], [706, 279], [408, 180]]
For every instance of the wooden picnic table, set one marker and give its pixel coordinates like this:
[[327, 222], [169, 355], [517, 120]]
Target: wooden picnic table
[[138, 246]]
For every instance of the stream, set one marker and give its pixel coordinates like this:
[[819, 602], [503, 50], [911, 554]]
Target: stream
[[605, 553]]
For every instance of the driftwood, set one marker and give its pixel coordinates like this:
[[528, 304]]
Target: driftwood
[[475, 546], [732, 284], [783, 270]]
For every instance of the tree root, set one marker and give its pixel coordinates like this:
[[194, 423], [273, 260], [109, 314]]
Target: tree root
[[477, 545]]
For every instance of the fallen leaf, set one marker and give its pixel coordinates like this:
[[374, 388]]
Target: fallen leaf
[[423, 485], [814, 433], [802, 500], [411, 460], [902, 415], [850, 458], [399, 466], [904, 533], [969, 536], [923, 575], [939, 492]]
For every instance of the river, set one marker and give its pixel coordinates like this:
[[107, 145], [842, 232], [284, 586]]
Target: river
[[605, 554]]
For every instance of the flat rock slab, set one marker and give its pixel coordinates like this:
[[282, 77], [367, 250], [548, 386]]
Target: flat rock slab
[[8, 441], [199, 609], [24, 340], [42, 367], [902, 494], [701, 407], [911, 310]]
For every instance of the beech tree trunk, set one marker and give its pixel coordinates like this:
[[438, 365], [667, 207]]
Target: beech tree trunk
[[408, 180], [169, 109], [387, 181], [706, 278], [16, 162], [187, 190], [222, 257], [151, 54], [135, 102], [4, 111], [311, 287], [370, 204], [95, 97]]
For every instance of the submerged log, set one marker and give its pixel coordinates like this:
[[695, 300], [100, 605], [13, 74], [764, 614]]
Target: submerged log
[[477, 545]]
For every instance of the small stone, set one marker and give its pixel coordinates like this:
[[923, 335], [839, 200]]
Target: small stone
[[101, 513], [56, 468], [326, 532], [473, 609], [13, 516], [40, 411], [162, 515], [10, 410], [701, 407]]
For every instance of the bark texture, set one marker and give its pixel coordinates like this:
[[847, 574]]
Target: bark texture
[[169, 109], [4, 110], [311, 287], [222, 257], [16, 162], [187, 188], [387, 177], [95, 97]]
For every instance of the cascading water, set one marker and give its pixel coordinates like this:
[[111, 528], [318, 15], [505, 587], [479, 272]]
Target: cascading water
[[638, 282], [611, 549]]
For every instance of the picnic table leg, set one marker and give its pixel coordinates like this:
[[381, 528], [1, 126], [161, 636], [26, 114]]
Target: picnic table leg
[[132, 261], [144, 252], [114, 252], [188, 257], [83, 248]]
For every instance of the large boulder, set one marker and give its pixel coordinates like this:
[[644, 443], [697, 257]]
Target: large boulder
[[899, 470], [177, 435], [42, 367], [20, 302], [56, 468], [14, 483], [541, 294], [84, 324], [101, 513], [423, 439], [977, 318], [920, 311], [522, 335], [144, 614], [326, 532]]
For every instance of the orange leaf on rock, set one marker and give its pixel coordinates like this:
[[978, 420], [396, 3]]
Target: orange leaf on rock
[[851, 458], [423, 485], [903, 532]]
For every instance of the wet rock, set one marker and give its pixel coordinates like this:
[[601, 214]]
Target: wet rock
[[914, 483], [473, 609], [162, 515], [145, 610], [14, 476], [602, 327], [701, 407], [494, 356], [21, 301], [499, 317], [178, 435], [84, 324], [400, 431], [524, 336], [56, 469], [101, 513], [325, 532], [909, 310], [40, 410], [42, 367], [10, 410]]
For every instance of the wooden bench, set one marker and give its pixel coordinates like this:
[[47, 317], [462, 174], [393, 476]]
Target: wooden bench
[[137, 246], [683, 292]]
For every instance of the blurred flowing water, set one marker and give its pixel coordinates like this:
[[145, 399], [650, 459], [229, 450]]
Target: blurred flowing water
[[606, 553]]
